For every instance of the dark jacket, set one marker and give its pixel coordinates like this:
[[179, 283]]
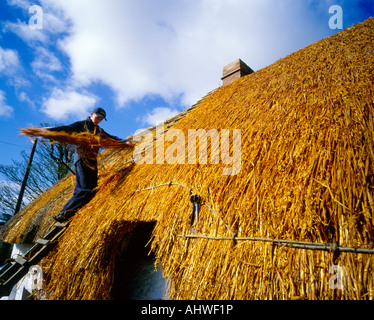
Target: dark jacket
[[88, 154]]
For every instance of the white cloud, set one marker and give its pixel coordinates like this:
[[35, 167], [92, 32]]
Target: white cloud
[[5, 110], [24, 98], [62, 104], [23, 4], [45, 63], [177, 49], [28, 35], [11, 184], [51, 24], [158, 115], [9, 61]]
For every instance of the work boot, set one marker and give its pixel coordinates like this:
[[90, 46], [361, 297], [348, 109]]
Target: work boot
[[59, 217]]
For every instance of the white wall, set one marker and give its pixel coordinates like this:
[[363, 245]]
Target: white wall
[[31, 282]]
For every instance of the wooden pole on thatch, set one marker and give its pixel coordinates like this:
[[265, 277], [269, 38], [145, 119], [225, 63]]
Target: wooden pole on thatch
[[25, 177]]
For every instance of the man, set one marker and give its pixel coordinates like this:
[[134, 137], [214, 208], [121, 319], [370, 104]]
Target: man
[[85, 162]]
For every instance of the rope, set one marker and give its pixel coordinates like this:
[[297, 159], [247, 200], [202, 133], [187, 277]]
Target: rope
[[333, 247], [192, 192], [167, 185]]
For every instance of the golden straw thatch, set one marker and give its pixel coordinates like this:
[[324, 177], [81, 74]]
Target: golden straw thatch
[[306, 174], [85, 139]]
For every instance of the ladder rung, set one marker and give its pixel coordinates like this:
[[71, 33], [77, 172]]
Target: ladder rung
[[20, 260], [19, 266], [60, 224], [42, 241]]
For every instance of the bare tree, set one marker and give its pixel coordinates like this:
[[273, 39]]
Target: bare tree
[[52, 161]]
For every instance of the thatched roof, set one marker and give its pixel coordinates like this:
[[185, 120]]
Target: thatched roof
[[306, 174]]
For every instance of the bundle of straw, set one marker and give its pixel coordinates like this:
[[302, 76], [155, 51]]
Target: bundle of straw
[[85, 139]]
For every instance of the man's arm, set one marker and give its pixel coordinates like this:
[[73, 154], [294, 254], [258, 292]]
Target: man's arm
[[71, 128], [124, 141]]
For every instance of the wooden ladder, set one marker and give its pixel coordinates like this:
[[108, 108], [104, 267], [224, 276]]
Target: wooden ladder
[[17, 268]]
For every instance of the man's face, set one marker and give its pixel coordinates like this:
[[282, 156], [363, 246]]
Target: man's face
[[96, 119]]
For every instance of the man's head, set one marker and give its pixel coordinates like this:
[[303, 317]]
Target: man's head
[[97, 115]]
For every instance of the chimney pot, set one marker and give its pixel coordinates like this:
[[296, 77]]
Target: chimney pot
[[234, 71]]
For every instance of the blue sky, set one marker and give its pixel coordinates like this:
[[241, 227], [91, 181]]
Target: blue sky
[[141, 60]]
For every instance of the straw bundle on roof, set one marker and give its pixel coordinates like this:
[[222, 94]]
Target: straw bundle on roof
[[84, 139], [306, 174]]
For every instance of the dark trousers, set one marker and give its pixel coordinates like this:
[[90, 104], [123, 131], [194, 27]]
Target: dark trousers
[[86, 182]]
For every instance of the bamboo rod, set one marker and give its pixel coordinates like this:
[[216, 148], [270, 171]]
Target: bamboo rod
[[24, 182], [290, 243]]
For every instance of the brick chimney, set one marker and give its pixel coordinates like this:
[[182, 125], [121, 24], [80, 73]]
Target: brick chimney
[[234, 71]]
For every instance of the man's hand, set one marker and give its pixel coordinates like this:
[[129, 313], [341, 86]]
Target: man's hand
[[43, 130], [128, 143]]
